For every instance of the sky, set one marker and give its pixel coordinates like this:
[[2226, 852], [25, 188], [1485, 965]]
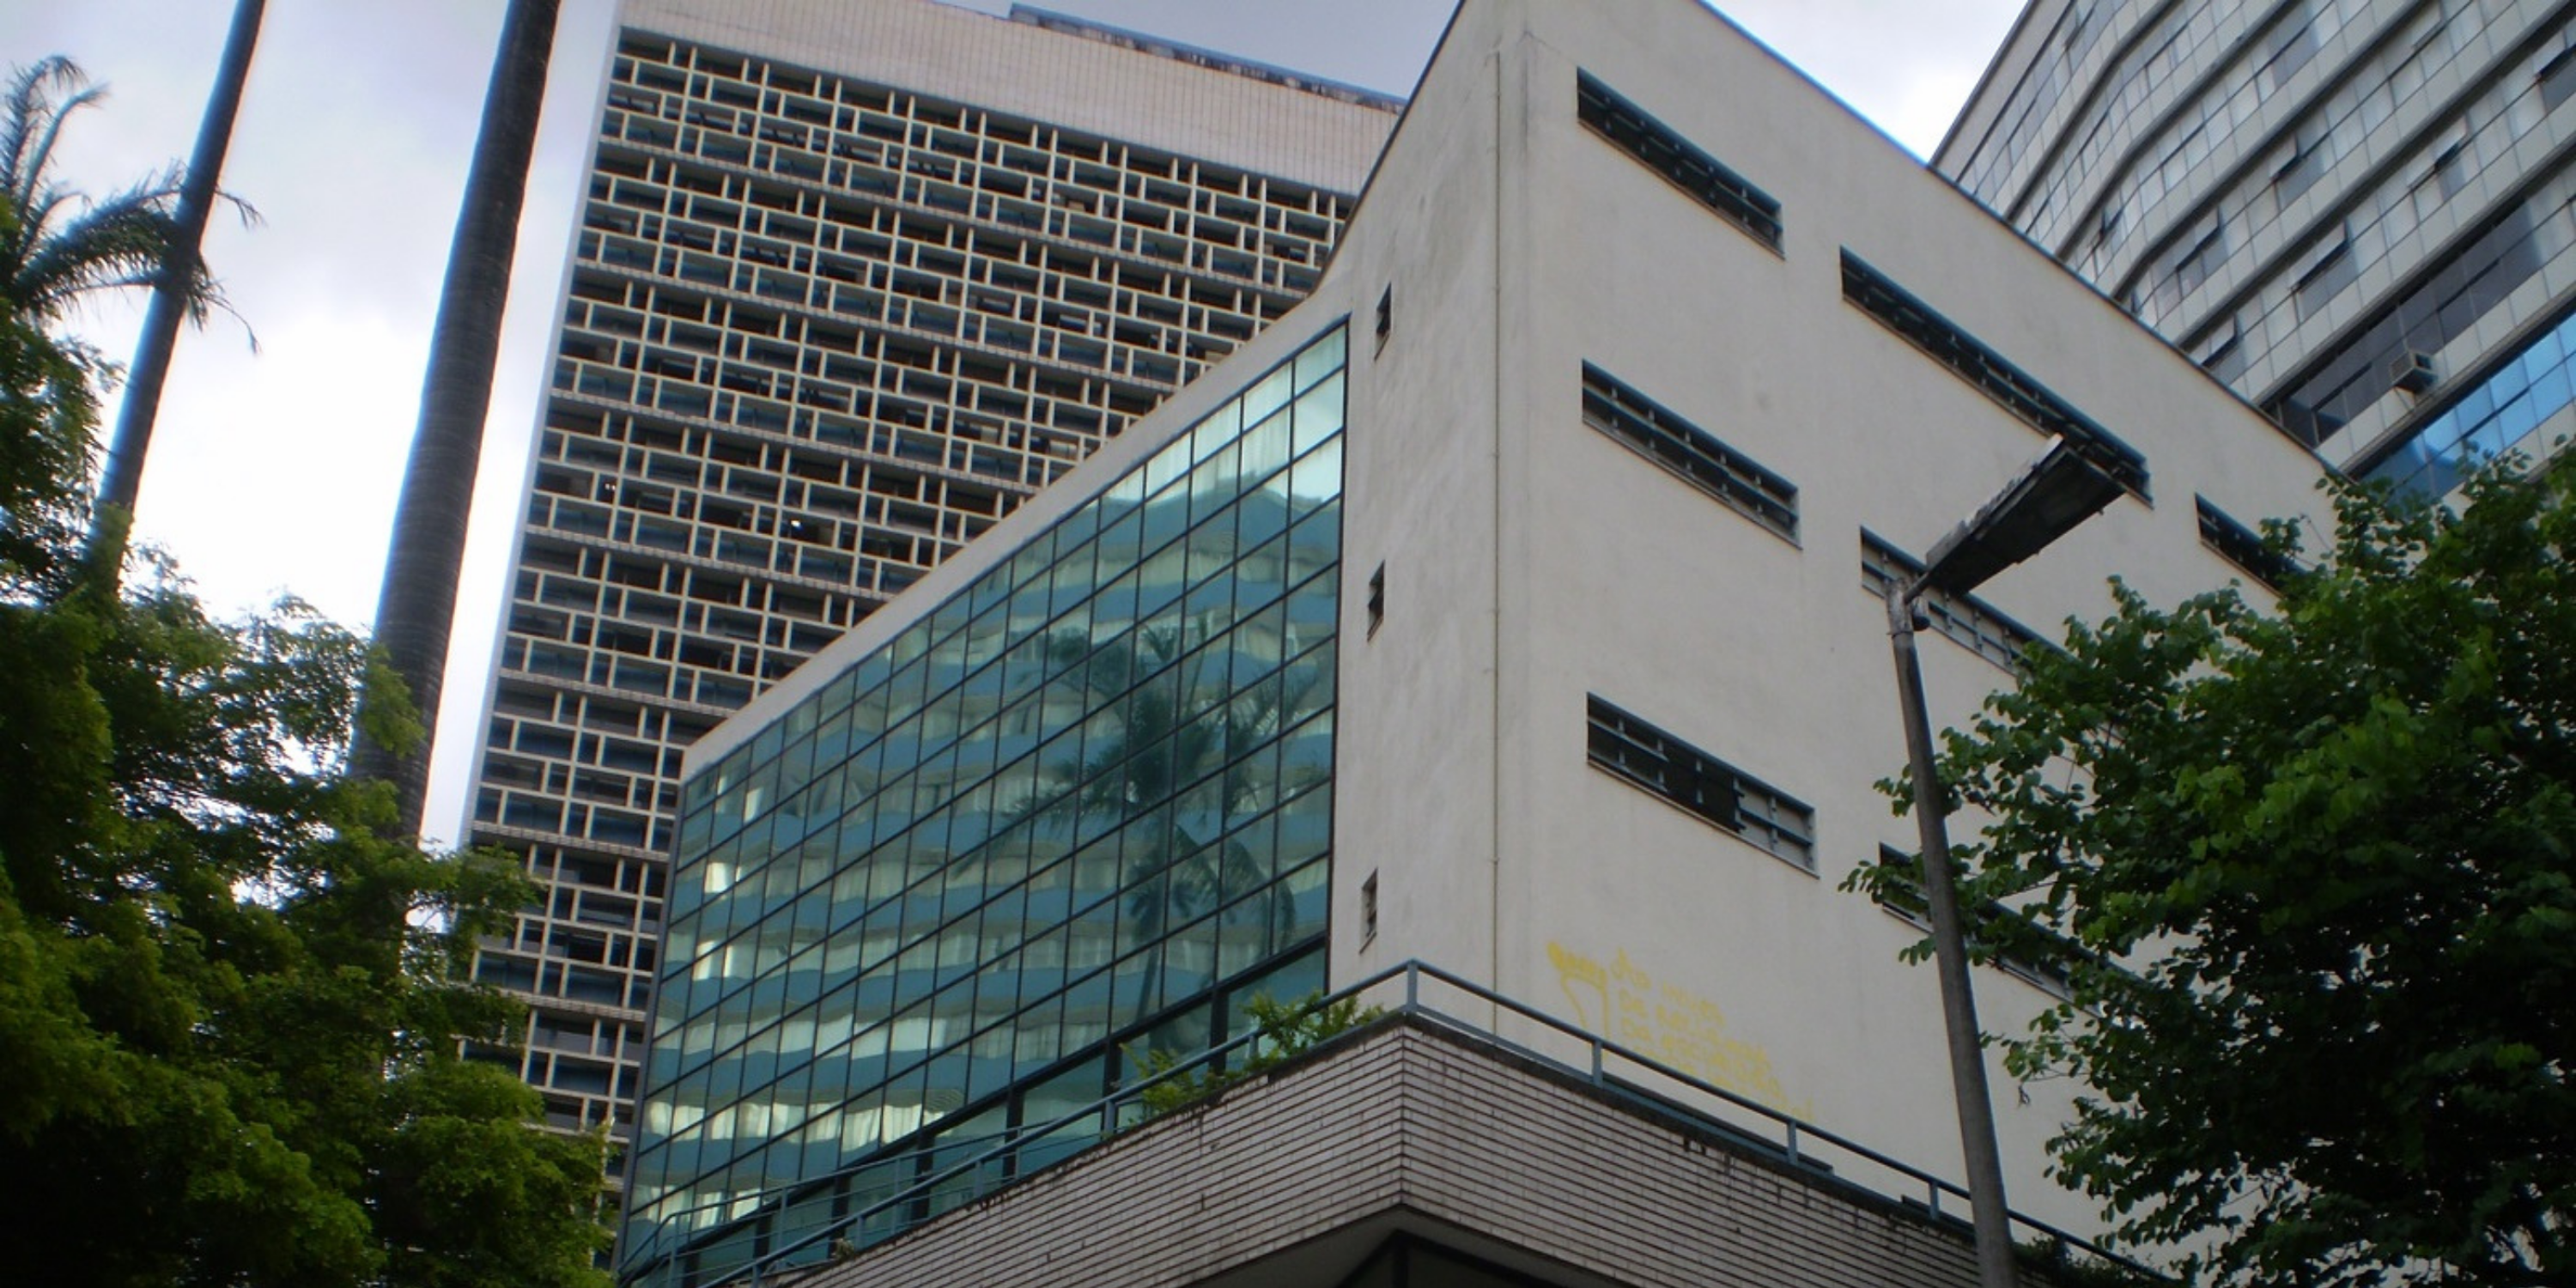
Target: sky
[[280, 442]]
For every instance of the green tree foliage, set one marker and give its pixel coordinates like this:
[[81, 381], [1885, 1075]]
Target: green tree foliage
[[2315, 864], [229, 1010]]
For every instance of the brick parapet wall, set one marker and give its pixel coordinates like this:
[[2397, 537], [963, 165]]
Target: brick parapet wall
[[1407, 1126]]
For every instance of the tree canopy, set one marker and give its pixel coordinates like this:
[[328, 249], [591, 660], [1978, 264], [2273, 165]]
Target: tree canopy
[[230, 1016], [2310, 872]]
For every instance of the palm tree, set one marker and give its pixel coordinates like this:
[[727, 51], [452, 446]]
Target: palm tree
[[174, 295], [58, 247], [55, 245], [416, 603]]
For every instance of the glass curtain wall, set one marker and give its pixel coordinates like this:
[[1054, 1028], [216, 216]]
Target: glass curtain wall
[[1078, 811]]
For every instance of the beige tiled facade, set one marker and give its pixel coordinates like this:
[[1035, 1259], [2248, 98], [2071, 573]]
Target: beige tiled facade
[[1298, 1177]]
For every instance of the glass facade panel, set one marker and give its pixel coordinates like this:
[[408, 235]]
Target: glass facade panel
[[1087, 800], [2500, 414]]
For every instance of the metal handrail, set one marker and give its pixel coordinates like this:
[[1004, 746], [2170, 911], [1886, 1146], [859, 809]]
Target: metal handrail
[[1795, 1144]]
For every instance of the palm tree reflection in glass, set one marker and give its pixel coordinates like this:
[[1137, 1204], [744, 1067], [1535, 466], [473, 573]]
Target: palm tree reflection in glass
[[1180, 761]]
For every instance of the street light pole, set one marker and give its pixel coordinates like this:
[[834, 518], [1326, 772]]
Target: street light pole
[[1986, 1206], [2060, 490]]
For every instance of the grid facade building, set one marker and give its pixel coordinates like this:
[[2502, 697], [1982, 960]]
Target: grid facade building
[[2355, 212], [851, 283], [1509, 613]]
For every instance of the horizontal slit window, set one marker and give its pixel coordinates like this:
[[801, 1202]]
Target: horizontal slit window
[[1656, 433], [2242, 546], [1701, 784], [1870, 291], [1650, 141], [2040, 965], [1968, 621]]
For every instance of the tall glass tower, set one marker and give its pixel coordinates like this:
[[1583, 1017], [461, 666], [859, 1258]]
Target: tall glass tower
[[2355, 212]]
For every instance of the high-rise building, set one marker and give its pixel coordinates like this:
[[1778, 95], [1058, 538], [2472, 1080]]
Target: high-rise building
[[1513, 609], [2356, 212], [852, 282]]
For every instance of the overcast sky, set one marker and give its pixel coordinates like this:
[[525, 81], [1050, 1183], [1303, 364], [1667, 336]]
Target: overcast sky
[[274, 471]]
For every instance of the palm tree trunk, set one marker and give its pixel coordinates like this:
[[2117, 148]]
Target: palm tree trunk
[[173, 298], [416, 605]]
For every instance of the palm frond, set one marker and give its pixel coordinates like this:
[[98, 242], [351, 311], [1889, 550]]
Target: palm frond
[[32, 119], [56, 245]]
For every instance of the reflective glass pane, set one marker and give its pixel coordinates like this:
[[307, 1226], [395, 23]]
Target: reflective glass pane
[[1068, 809]]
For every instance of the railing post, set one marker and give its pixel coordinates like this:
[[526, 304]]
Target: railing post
[[1596, 1058], [1793, 1141], [1412, 985]]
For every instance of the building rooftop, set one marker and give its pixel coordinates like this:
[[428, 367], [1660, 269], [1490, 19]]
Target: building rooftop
[[1196, 56]]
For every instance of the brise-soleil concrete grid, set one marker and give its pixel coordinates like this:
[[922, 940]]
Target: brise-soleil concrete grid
[[827, 318]]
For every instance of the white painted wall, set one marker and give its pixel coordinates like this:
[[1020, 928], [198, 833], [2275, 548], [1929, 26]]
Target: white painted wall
[[1532, 561]]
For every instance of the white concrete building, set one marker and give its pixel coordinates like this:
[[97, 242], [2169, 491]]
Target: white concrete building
[[1510, 607], [853, 280]]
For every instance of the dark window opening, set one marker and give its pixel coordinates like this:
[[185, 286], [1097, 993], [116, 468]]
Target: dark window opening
[[2326, 278], [2305, 165], [2225, 360], [1731, 195], [1970, 360], [2451, 170], [2292, 48], [1966, 620], [1656, 433], [1700, 784], [1385, 317], [2193, 267], [2026, 950], [2558, 78], [1376, 600], [2243, 546]]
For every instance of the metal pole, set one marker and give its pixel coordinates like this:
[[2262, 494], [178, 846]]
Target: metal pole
[[1988, 1215], [173, 294]]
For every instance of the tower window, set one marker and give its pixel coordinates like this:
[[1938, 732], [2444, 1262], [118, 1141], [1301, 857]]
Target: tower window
[[2326, 278], [2558, 78]]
